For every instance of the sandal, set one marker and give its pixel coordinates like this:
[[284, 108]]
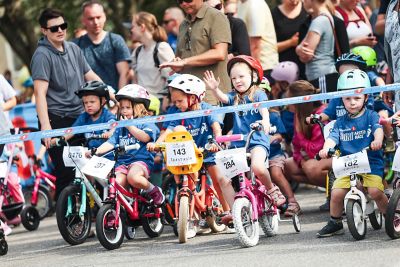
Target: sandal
[[292, 209], [277, 196]]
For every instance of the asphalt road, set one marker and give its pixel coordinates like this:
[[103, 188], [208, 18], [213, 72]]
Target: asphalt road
[[45, 247]]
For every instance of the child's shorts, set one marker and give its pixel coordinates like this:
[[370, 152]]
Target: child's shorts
[[277, 161], [124, 169], [369, 180]]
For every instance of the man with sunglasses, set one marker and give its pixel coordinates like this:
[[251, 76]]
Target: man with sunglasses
[[59, 69], [203, 41], [172, 19], [106, 52]]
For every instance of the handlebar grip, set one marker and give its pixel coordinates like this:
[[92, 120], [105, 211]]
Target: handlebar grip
[[317, 157], [229, 138]]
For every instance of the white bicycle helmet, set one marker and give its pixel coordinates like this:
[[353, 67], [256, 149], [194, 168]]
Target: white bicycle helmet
[[189, 84], [287, 71], [353, 79], [135, 93]]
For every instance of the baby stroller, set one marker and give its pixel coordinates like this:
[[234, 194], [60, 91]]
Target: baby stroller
[[12, 198]]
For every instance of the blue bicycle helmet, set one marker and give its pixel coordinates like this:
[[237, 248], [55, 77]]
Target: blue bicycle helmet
[[351, 58], [353, 79]]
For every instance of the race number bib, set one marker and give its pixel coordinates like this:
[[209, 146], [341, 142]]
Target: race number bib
[[232, 162], [180, 153], [3, 169], [98, 167], [351, 164], [74, 154], [396, 161]]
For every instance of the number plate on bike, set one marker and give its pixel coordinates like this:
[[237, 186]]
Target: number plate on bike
[[180, 153], [396, 161], [98, 167], [232, 162], [74, 154], [351, 164], [3, 169]]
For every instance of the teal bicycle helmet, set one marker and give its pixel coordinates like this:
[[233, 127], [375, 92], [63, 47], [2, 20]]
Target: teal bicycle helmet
[[351, 58], [353, 79]]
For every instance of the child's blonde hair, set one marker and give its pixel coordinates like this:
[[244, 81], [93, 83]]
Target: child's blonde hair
[[139, 110]]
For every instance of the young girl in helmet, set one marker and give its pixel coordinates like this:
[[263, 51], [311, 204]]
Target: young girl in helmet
[[187, 92], [284, 73], [94, 95], [246, 74], [134, 167], [357, 129]]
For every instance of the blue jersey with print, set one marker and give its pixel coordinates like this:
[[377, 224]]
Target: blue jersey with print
[[85, 119], [199, 128], [123, 137], [335, 108], [275, 120], [243, 119], [354, 134]]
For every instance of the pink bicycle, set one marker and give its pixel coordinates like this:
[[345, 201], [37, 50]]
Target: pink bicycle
[[38, 195], [252, 206]]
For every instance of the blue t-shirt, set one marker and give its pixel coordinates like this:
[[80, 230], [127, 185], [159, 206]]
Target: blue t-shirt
[[354, 134], [199, 128], [103, 57], [243, 119], [123, 137], [335, 108], [275, 120], [172, 40], [288, 120], [372, 75], [85, 119]]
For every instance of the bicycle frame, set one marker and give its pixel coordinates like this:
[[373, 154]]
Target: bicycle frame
[[41, 175]]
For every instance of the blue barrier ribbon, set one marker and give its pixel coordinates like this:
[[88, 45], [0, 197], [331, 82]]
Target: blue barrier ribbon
[[195, 114]]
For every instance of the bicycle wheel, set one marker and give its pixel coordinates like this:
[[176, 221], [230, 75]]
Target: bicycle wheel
[[183, 220], [152, 226], [44, 201], [30, 218], [130, 232], [392, 220], [109, 234], [270, 224], [355, 220], [247, 230], [3, 247], [73, 228], [376, 219], [211, 217], [169, 189]]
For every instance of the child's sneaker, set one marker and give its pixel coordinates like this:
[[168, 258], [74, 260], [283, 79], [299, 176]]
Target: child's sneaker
[[157, 195], [277, 196], [332, 228]]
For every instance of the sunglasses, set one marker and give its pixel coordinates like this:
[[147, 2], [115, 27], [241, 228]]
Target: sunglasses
[[218, 6], [55, 28], [181, 1]]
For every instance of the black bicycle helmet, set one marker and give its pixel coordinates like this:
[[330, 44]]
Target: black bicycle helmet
[[350, 58], [94, 88]]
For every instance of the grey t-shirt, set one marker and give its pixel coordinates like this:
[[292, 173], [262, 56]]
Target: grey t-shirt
[[4, 127], [64, 71], [323, 62], [103, 57]]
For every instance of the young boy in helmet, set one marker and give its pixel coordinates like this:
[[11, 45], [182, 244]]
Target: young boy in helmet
[[94, 95], [357, 129], [187, 92]]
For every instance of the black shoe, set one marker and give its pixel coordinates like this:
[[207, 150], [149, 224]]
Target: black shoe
[[332, 228], [325, 206]]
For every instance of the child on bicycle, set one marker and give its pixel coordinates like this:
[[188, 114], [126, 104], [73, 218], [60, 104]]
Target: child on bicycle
[[246, 74], [134, 166], [94, 95], [357, 129], [187, 92]]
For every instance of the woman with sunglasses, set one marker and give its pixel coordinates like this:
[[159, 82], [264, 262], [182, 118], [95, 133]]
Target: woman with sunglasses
[[58, 70]]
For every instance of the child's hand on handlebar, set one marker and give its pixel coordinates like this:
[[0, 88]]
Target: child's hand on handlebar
[[213, 148], [151, 146], [323, 153], [376, 145]]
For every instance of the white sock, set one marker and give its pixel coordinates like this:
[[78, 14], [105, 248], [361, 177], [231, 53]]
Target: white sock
[[151, 187]]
